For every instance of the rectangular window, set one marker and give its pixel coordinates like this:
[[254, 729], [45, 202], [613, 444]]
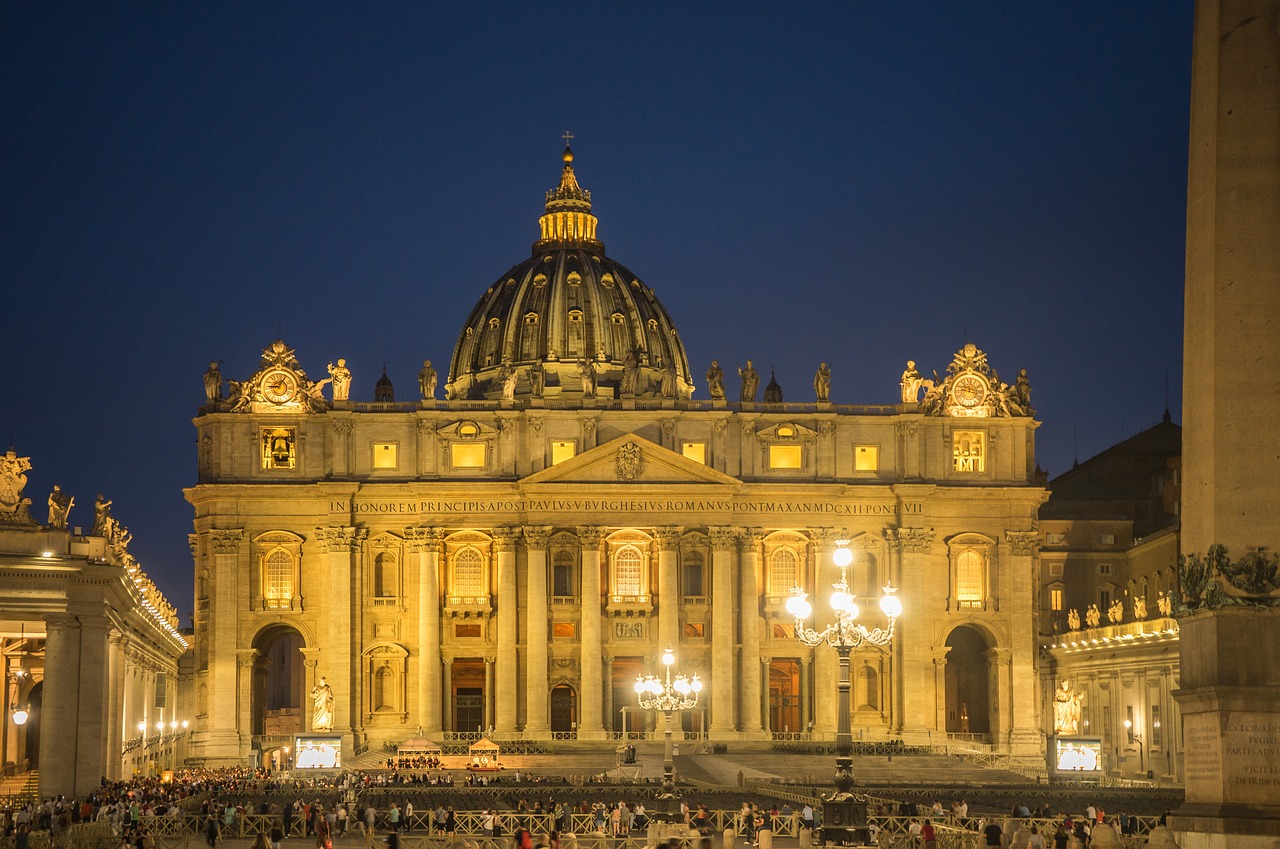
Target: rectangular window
[[384, 455], [1104, 600], [968, 451], [1104, 568], [564, 630], [467, 455], [693, 630], [786, 457], [1104, 539], [279, 447], [562, 580], [866, 458], [162, 688], [691, 579], [1055, 599], [695, 451], [562, 449], [1157, 739]]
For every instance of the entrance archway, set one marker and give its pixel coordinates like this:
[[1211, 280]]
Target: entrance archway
[[564, 709], [279, 679], [968, 682]]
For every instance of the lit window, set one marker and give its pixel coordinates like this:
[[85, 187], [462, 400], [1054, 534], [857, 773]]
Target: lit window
[[278, 579], [1104, 539], [968, 451], [785, 456], [384, 455], [693, 630], [695, 451], [971, 569], [628, 566], [866, 458], [468, 573], [1055, 599], [562, 449], [468, 455], [783, 571], [786, 432], [691, 574], [564, 630], [279, 447]]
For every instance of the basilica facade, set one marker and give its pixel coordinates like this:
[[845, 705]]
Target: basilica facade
[[510, 558]]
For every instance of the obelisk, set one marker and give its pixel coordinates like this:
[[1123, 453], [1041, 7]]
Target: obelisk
[[1230, 618]]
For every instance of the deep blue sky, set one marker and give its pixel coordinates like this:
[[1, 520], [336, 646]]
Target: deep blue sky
[[854, 182]]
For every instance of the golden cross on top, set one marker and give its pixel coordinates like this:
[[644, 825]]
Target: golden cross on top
[[568, 136]]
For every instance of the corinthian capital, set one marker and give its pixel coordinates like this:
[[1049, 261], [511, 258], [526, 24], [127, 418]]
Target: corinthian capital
[[536, 536], [1023, 542], [590, 535], [724, 539], [341, 538], [423, 539], [504, 539], [226, 540], [668, 537]]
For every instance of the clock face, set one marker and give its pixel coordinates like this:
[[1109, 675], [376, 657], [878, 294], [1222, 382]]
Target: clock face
[[969, 391], [279, 386]]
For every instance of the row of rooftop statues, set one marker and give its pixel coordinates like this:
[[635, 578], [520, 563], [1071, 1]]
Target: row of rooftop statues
[[970, 388], [1115, 611]]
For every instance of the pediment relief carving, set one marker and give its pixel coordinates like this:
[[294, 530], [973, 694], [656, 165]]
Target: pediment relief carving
[[467, 430], [630, 459], [786, 432]]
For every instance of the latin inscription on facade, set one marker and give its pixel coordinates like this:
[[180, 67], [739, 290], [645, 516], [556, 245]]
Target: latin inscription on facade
[[1240, 765], [627, 505]]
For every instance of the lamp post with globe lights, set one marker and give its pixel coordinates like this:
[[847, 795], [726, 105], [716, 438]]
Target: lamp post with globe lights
[[668, 696], [844, 813]]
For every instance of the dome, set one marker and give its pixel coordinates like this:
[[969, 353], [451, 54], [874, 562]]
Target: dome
[[568, 321]]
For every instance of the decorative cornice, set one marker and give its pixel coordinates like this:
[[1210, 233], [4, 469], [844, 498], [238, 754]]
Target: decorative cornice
[[341, 538], [226, 540]]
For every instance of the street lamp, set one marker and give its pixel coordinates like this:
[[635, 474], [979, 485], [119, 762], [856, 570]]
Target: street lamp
[[844, 814], [668, 696]]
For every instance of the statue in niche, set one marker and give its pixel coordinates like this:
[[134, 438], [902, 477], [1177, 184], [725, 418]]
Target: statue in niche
[[537, 379], [670, 385], [213, 383], [1164, 603], [322, 707], [1139, 607], [588, 372], [630, 374], [715, 381], [508, 376], [750, 382], [822, 383], [1022, 392], [341, 377], [102, 519], [60, 505], [1066, 709], [1073, 619], [910, 383], [1093, 616], [427, 381], [1115, 612]]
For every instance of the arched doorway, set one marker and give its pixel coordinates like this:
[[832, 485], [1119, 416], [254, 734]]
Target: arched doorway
[[564, 709], [279, 679], [968, 682]]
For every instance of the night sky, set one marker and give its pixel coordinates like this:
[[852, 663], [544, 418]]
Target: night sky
[[857, 182]]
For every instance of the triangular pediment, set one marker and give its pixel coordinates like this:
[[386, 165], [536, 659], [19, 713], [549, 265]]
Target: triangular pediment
[[631, 459]]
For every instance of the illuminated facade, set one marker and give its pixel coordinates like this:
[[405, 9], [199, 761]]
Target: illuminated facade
[[511, 558]]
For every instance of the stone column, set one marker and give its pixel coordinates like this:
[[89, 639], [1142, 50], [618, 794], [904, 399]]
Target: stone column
[[765, 719], [914, 690], [310, 666], [113, 739], [340, 656], [1024, 731], [229, 563], [537, 702], [59, 720], [93, 704], [425, 544], [668, 588], [826, 663], [806, 688], [607, 675], [506, 691], [1000, 668], [489, 693], [940, 691], [246, 661], [447, 719], [590, 721], [724, 543], [749, 593]]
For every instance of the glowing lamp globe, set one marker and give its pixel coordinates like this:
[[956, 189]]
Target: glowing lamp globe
[[798, 607], [20, 717], [668, 657], [842, 601], [891, 604], [697, 684], [842, 556], [682, 687]]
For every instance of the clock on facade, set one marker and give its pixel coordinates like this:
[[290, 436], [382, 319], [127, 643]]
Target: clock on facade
[[279, 386], [969, 391]]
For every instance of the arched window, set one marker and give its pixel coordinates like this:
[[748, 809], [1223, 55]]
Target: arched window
[[628, 568], [384, 576], [691, 571], [783, 571], [868, 687], [384, 689], [277, 589], [468, 573], [562, 583], [971, 569]]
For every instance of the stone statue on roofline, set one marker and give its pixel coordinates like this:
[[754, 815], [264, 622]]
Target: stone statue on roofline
[[715, 381], [822, 383], [213, 383], [427, 381], [750, 382], [14, 509], [60, 505], [910, 383]]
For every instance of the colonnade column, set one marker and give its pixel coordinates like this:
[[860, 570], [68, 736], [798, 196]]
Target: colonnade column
[[92, 709], [914, 686], [247, 660], [59, 727], [113, 740], [826, 663], [425, 543], [590, 726], [765, 719], [505, 675], [749, 580], [447, 720], [668, 588], [537, 700], [940, 692], [342, 544], [222, 745], [489, 693], [724, 542], [806, 687]]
